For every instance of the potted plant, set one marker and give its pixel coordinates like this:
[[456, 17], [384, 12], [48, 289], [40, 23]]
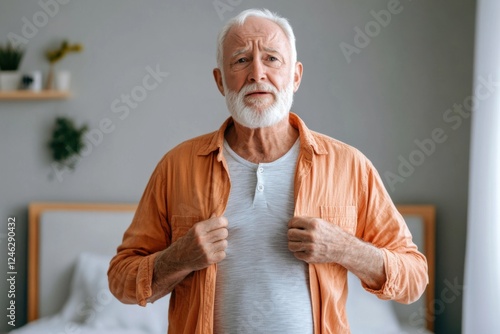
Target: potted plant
[[62, 79], [67, 142], [10, 59]]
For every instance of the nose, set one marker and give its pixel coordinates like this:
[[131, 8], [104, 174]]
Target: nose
[[257, 71]]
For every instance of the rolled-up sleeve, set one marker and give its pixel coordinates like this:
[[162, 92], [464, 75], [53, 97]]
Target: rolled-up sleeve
[[130, 273], [406, 277], [383, 226]]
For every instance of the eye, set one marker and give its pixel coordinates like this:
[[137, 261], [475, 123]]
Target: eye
[[241, 63], [273, 61]]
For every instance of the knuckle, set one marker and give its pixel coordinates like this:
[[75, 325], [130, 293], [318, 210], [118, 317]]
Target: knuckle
[[224, 221], [198, 240], [197, 228]]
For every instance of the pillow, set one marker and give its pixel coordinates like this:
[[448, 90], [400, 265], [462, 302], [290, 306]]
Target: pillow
[[367, 313], [92, 304], [85, 284]]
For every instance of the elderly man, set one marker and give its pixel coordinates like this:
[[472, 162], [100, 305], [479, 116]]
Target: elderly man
[[252, 228]]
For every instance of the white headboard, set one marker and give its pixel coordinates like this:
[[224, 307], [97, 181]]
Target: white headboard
[[58, 233]]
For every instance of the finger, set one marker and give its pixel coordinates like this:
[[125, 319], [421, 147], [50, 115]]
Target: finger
[[214, 223], [220, 222], [218, 256], [217, 251], [219, 246], [302, 256], [298, 222], [295, 234], [295, 246], [292, 223], [217, 235]]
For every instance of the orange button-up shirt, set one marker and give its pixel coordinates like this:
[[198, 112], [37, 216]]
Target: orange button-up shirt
[[333, 181]]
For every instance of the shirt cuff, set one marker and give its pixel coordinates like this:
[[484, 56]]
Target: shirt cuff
[[145, 279], [391, 267]]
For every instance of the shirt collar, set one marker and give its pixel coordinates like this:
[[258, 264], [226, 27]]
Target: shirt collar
[[307, 140]]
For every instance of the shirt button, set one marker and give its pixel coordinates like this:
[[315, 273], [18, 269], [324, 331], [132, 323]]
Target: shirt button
[[260, 187], [261, 170]]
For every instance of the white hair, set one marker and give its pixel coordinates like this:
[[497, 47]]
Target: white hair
[[262, 13]]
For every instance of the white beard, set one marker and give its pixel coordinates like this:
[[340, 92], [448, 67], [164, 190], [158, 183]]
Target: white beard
[[251, 118]]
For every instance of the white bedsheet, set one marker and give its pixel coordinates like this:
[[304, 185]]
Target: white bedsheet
[[56, 324], [91, 309]]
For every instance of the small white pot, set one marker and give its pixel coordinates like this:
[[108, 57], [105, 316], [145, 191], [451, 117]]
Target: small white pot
[[31, 81], [37, 81], [9, 80], [63, 80]]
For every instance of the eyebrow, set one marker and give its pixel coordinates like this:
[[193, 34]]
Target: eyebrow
[[239, 52], [267, 49], [242, 51]]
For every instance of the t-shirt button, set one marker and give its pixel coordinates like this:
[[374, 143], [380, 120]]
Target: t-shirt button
[[260, 187], [261, 170]]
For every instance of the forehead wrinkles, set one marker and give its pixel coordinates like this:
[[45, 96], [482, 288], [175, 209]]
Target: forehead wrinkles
[[243, 37]]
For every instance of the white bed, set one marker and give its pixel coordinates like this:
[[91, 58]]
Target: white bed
[[70, 245]]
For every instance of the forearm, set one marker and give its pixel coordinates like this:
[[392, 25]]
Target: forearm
[[401, 276], [167, 273], [141, 279], [365, 261]]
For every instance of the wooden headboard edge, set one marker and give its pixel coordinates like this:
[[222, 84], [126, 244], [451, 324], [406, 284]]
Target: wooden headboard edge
[[35, 210], [428, 213]]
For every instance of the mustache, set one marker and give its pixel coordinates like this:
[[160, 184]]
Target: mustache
[[261, 87]]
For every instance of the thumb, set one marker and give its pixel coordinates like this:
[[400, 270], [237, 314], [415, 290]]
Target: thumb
[[213, 215]]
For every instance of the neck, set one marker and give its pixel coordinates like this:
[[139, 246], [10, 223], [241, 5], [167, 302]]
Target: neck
[[262, 144]]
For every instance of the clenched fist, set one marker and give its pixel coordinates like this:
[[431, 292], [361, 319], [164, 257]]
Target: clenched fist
[[204, 244], [315, 240]]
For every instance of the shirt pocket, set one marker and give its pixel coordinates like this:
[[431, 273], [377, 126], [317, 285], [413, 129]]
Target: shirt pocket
[[181, 225], [343, 216]]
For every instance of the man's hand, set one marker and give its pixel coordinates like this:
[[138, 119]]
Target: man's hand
[[204, 244], [315, 240]]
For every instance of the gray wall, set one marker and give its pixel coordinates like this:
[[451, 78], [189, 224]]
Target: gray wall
[[394, 91]]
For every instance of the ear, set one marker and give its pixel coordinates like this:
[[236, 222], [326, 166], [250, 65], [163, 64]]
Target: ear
[[218, 80], [297, 76]]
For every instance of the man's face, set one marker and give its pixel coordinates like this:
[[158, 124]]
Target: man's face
[[258, 77]]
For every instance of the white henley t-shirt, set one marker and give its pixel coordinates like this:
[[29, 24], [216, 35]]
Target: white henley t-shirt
[[261, 287]]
